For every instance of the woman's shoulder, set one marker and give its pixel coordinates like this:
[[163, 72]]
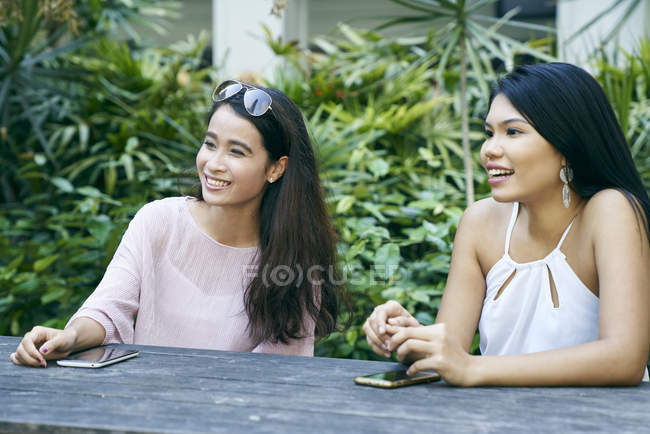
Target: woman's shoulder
[[162, 207], [487, 211], [609, 206], [159, 214], [483, 227], [606, 198], [610, 211]]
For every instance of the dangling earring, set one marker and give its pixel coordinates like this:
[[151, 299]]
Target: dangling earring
[[566, 175]]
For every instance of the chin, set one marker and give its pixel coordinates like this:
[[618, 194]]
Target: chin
[[504, 198]]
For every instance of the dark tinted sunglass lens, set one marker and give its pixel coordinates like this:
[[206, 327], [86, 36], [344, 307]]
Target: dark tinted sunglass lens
[[256, 101], [226, 90]]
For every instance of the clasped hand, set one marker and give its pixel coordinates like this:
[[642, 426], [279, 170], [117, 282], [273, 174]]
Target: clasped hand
[[390, 327]]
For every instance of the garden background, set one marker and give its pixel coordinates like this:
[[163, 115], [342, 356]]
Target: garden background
[[92, 127]]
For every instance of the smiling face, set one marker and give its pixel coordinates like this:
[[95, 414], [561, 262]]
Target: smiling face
[[232, 163], [522, 166]]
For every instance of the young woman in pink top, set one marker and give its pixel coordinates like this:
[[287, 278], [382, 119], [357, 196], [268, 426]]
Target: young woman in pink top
[[249, 264], [554, 268]]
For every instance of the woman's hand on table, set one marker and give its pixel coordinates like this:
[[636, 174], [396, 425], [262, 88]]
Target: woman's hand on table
[[377, 325], [432, 347], [43, 343]]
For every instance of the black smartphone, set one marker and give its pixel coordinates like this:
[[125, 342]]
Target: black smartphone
[[392, 379], [97, 357]]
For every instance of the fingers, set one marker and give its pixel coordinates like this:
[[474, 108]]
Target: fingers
[[420, 365], [26, 353], [378, 329], [403, 321], [414, 349], [401, 334], [379, 316], [375, 343], [378, 321], [56, 347]]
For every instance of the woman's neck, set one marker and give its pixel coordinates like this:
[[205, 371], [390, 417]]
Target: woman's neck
[[548, 218], [232, 226]]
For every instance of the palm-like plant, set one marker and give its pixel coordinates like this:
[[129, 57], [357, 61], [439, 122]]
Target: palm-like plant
[[39, 81], [31, 76], [464, 33]]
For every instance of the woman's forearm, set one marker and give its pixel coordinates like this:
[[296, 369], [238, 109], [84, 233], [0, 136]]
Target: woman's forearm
[[87, 333], [603, 362]]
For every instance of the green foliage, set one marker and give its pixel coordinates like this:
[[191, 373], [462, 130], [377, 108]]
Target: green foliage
[[388, 144], [104, 144], [460, 32], [384, 115], [628, 90]]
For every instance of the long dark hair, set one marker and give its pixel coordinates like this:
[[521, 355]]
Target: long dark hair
[[569, 109], [297, 275]]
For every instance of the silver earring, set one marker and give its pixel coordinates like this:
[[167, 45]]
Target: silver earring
[[271, 181], [566, 175]]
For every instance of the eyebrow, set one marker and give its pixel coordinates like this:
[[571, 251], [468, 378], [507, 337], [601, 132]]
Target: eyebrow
[[508, 121], [234, 142]]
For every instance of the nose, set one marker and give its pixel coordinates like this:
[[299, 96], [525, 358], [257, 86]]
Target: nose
[[491, 149], [216, 162]]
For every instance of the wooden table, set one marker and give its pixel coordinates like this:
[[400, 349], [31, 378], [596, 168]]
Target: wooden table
[[189, 390]]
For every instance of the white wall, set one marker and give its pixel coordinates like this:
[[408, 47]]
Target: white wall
[[573, 14], [238, 41]]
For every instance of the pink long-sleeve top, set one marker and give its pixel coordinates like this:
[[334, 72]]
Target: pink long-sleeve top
[[185, 288]]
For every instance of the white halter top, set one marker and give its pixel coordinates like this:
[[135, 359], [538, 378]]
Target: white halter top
[[522, 319]]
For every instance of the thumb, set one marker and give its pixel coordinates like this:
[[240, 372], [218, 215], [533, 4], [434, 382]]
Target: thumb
[[57, 344]]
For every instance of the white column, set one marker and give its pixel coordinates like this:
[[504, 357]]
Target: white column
[[296, 22], [238, 39], [573, 14]]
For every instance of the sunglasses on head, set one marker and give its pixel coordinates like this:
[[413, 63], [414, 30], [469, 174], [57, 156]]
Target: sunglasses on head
[[256, 101]]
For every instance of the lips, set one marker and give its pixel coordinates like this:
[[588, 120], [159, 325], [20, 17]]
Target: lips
[[216, 183], [498, 174]]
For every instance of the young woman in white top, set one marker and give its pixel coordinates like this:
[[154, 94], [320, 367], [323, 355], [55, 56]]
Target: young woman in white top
[[554, 268]]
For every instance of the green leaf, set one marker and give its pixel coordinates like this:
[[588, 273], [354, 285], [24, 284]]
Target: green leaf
[[378, 167], [356, 248], [131, 144], [43, 263], [127, 163], [40, 159], [90, 192], [351, 336], [420, 296], [388, 256], [100, 227], [26, 287], [345, 204], [424, 204], [51, 296], [62, 184]]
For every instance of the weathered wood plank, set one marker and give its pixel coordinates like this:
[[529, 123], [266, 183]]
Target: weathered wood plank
[[187, 390]]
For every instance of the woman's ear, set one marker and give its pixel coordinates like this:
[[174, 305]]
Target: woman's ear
[[276, 169]]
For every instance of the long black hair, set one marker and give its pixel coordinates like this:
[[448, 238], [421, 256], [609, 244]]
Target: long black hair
[[569, 109], [297, 275]]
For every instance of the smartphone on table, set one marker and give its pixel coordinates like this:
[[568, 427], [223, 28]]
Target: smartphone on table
[[392, 379], [97, 357]]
